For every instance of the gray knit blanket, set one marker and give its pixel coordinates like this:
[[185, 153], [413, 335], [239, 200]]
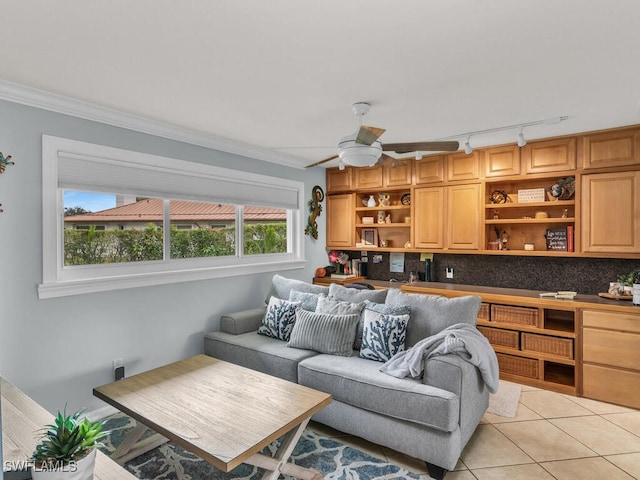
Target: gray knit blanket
[[460, 339]]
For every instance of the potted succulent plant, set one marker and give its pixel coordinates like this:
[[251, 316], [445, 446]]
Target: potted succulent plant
[[67, 449], [626, 282]]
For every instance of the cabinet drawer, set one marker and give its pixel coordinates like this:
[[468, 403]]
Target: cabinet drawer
[[500, 337], [483, 314], [611, 348], [525, 367], [560, 347], [625, 322], [611, 385], [516, 315]]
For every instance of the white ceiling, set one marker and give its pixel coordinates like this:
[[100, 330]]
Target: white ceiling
[[282, 74]]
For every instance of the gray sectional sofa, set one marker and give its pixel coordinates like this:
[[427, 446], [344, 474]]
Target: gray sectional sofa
[[431, 417]]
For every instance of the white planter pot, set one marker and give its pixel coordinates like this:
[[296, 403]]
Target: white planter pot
[[81, 470], [636, 294]]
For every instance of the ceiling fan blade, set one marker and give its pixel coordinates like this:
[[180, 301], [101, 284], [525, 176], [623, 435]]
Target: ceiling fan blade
[[421, 147], [367, 135], [320, 162]]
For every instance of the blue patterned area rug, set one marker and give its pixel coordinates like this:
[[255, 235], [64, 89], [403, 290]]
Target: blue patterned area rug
[[335, 460]]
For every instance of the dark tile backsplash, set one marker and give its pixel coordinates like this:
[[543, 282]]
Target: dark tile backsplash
[[583, 275]]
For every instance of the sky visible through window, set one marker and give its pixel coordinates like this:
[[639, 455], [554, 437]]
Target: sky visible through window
[[91, 202]]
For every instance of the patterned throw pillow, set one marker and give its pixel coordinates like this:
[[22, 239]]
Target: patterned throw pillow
[[379, 308], [308, 301], [324, 333], [337, 307], [383, 335], [279, 318]]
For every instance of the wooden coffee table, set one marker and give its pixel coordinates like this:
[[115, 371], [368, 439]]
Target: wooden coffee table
[[224, 413]]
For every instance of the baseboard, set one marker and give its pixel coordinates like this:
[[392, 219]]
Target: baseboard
[[102, 412]]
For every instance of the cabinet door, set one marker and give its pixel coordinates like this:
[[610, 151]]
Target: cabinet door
[[428, 217], [340, 220], [429, 169], [611, 212], [549, 155], [398, 173], [463, 217], [611, 149], [461, 166], [368, 177], [501, 161], [339, 180]]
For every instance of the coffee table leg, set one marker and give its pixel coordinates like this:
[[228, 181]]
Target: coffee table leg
[[278, 464], [131, 447]]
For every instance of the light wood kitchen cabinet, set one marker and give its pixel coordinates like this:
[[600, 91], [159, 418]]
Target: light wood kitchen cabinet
[[340, 220], [461, 166], [429, 170], [339, 180], [368, 177], [429, 217], [502, 161], [398, 173], [463, 217], [447, 217], [611, 357], [611, 149], [610, 203], [555, 155]]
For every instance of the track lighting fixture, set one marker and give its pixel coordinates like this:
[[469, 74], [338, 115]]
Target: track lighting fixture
[[521, 140], [467, 146]]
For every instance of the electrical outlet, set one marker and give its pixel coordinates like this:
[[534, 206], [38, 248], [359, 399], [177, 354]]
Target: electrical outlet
[[118, 369], [449, 272]]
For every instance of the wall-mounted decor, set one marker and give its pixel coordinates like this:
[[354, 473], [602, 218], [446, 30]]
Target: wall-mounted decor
[[317, 196], [4, 161]]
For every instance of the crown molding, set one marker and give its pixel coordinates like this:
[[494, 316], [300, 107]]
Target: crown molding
[[33, 97]]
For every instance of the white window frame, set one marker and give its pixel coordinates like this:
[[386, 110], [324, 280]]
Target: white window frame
[[59, 280]]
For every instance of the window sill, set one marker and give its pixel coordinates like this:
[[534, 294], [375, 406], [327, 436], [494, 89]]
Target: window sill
[[78, 287]]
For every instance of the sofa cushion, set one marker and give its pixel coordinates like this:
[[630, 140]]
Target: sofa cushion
[[308, 301], [432, 313], [326, 333], [337, 307], [359, 382], [383, 335], [279, 318], [354, 295], [281, 287], [264, 354], [380, 308]]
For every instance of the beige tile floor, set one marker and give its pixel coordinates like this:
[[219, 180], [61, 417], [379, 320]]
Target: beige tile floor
[[552, 436]]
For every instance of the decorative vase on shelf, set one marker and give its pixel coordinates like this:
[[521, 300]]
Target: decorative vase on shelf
[[371, 202]]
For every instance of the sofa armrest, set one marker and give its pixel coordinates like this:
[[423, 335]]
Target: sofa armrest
[[452, 373], [242, 322]]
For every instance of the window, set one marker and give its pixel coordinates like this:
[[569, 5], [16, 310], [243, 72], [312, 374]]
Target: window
[[148, 220]]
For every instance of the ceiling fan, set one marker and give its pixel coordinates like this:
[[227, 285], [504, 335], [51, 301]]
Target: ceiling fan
[[363, 149]]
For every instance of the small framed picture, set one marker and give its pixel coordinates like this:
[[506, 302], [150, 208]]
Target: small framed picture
[[370, 237]]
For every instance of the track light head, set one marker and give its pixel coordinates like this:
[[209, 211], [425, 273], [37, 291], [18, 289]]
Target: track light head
[[467, 146], [521, 140]]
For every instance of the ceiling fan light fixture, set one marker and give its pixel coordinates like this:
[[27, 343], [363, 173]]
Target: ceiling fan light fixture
[[418, 156], [341, 165], [359, 155], [467, 146]]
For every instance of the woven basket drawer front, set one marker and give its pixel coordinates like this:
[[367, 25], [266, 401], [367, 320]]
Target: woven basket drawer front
[[500, 337], [515, 315], [561, 347], [483, 314], [525, 367]]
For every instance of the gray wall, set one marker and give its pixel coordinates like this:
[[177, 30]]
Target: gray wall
[[57, 350]]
